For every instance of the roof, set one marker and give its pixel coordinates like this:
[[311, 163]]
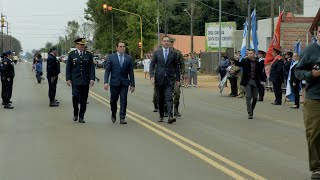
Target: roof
[[315, 21]]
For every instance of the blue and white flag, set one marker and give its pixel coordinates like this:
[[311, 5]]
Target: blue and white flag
[[297, 47], [289, 90], [243, 45], [254, 33]]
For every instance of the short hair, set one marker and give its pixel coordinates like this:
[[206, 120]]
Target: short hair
[[252, 50], [117, 44], [39, 56], [53, 49], [166, 36]]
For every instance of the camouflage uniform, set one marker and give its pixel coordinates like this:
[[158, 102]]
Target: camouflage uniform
[[177, 90]]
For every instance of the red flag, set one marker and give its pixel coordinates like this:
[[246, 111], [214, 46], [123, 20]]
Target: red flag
[[275, 43]]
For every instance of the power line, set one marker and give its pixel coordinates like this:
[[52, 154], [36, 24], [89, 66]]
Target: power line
[[223, 12]]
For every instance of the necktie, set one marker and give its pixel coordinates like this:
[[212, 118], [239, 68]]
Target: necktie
[[165, 55], [121, 59], [81, 53]]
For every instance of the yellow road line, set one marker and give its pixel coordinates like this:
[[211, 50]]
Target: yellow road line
[[181, 145], [202, 148], [131, 115]]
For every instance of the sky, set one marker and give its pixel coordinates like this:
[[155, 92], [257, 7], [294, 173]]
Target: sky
[[35, 22]]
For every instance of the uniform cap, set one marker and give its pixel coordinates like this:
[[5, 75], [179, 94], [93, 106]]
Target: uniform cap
[[172, 40], [6, 53], [80, 41], [261, 52], [277, 49]]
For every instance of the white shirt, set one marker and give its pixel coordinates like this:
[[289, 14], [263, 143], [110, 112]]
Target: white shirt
[[146, 62], [164, 52]]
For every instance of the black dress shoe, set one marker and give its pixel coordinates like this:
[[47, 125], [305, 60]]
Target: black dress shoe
[[81, 120], [250, 116], [165, 114], [113, 119], [177, 114], [8, 106], [155, 110], [122, 121], [53, 104], [160, 119], [75, 118], [171, 120], [315, 175], [260, 100], [275, 103]]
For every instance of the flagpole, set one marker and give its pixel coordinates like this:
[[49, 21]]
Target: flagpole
[[249, 25]]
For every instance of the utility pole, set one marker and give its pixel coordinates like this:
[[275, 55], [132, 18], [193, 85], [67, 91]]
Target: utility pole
[[191, 24], [2, 25], [249, 24], [272, 18], [158, 22], [165, 18], [219, 30], [112, 45]]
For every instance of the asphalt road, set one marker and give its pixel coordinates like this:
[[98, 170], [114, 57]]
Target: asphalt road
[[213, 140]]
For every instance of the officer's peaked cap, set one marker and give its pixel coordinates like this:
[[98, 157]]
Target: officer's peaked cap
[[80, 41]]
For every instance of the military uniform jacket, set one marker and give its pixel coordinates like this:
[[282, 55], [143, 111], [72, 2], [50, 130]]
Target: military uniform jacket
[[180, 61], [80, 70], [7, 68]]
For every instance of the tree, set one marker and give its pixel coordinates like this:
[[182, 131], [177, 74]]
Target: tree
[[125, 27], [13, 42]]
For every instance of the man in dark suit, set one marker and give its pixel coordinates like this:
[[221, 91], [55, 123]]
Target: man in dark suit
[[277, 75], [80, 73], [251, 79], [53, 70], [120, 66], [261, 55], [165, 74]]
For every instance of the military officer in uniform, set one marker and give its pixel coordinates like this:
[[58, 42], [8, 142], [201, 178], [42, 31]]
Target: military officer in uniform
[[177, 90], [80, 74], [7, 75]]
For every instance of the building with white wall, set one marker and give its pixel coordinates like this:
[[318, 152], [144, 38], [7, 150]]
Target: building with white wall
[[310, 8]]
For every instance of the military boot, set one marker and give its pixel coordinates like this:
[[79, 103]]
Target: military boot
[[176, 111]]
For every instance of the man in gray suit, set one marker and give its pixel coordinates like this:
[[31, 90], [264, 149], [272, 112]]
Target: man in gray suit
[[165, 73]]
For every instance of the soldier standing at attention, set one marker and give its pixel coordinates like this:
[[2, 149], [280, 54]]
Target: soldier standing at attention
[[177, 90], [7, 75], [80, 74]]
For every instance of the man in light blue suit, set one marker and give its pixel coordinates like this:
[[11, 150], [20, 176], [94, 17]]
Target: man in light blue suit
[[120, 67]]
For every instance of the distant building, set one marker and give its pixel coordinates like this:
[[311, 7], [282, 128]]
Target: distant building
[[183, 43], [310, 7]]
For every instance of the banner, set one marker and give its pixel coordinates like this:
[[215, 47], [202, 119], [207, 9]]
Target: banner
[[212, 35]]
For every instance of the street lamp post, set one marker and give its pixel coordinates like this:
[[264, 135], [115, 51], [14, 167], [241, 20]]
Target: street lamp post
[[2, 25], [191, 28], [110, 8]]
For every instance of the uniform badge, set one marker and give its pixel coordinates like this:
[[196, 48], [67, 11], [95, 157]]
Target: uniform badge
[[74, 61], [5, 63]]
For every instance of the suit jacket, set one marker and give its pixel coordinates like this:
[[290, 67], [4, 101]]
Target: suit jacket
[[246, 71], [293, 78], [120, 76], [276, 71], [263, 75], [53, 66], [80, 70], [159, 69]]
